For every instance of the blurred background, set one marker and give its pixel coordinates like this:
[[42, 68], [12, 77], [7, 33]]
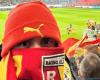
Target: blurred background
[[55, 2]]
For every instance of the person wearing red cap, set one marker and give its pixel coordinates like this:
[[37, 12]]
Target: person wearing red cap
[[31, 47]]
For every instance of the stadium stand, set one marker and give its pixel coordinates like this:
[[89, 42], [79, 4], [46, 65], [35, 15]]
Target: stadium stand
[[4, 4], [9, 4], [53, 2]]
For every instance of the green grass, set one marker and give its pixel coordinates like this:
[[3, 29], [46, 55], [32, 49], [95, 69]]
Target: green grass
[[3, 16], [76, 17], [64, 17]]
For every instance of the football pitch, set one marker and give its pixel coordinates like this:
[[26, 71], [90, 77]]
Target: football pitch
[[77, 17]]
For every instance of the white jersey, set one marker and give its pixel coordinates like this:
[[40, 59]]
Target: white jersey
[[91, 34]]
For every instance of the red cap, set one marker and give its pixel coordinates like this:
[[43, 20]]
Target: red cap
[[28, 20]]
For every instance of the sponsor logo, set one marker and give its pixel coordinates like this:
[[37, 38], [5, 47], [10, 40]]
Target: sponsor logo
[[54, 61], [50, 66], [31, 29]]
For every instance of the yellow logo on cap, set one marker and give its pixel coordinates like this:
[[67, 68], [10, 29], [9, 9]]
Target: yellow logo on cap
[[30, 29]]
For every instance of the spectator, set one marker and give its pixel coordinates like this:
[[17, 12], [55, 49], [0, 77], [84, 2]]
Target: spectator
[[31, 48], [89, 68], [92, 49]]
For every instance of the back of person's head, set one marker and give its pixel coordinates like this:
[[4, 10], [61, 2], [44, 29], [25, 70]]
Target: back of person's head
[[89, 67], [91, 49], [26, 21]]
